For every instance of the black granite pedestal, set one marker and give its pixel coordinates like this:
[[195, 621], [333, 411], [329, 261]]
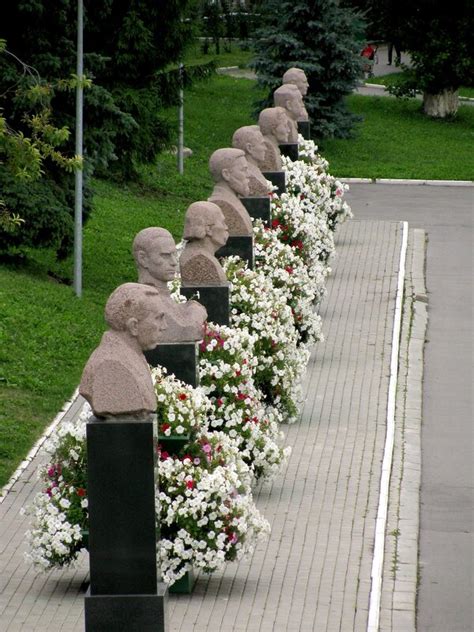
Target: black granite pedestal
[[240, 245], [179, 358], [258, 208], [277, 178], [216, 300], [124, 594], [304, 128], [290, 150]]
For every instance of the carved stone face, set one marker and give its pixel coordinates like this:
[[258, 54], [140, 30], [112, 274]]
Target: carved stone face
[[149, 329], [282, 129], [295, 107], [256, 147], [237, 176], [219, 232], [301, 83], [161, 261]]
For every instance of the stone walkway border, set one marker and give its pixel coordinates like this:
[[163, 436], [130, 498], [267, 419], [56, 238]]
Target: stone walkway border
[[381, 521], [36, 448], [435, 183]]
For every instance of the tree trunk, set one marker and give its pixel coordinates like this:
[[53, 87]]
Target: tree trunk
[[442, 104]]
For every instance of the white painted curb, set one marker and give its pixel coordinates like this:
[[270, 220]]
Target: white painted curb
[[35, 449], [381, 521], [434, 183]]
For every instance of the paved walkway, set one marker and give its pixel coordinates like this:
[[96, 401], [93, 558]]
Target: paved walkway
[[313, 575]]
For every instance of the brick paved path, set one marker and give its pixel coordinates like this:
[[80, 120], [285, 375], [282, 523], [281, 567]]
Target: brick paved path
[[313, 575]]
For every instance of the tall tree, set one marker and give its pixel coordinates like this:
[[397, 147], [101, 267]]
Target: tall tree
[[322, 38], [128, 46], [439, 36]]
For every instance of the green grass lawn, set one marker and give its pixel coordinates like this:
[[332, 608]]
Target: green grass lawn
[[395, 140], [47, 334], [395, 78]]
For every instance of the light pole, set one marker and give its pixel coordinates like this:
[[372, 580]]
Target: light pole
[[78, 180]]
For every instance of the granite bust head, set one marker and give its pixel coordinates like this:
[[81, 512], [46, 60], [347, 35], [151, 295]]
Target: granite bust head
[[156, 257], [289, 97], [274, 124], [250, 140], [116, 380], [297, 77], [228, 167], [205, 231]]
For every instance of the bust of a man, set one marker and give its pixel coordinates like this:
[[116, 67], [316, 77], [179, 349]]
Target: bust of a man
[[250, 140], [275, 127], [289, 97], [229, 171], [116, 380], [156, 259], [297, 77], [205, 231]]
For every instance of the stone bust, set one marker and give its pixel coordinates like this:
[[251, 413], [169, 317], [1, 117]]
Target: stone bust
[[205, 231], [229, 171], [156, 259], [274, 125], [289, 97], [298, 78], [251, 141], [116, 380]]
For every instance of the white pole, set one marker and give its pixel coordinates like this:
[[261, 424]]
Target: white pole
[[78, 181], [181, 122]]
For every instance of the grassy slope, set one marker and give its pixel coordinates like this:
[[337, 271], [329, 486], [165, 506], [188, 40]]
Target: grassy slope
[[46, 333], [397, 141]]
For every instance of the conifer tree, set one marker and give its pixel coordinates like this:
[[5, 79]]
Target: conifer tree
[[322, 38]]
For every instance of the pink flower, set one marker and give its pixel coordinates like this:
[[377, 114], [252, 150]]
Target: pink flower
[[207, 448]]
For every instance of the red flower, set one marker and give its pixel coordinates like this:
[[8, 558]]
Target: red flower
[[275, 223], [81, 492], [219, 402], [190, 484], [164, 427], [182, 396], [289, 269], [164, 455], [237, 373]]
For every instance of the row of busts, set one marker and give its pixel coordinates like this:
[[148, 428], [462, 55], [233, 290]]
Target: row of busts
[[116, 380]]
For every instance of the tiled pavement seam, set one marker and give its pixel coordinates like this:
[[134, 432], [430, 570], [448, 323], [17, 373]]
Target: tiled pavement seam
[[314, 573]]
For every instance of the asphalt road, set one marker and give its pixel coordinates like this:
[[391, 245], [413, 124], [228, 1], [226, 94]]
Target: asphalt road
[[445, 602]]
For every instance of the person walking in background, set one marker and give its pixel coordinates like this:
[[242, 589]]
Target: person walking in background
[[394, 45]]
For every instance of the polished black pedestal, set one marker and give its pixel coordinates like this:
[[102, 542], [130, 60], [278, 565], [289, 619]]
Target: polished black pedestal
[[277, 178], [216, 300], [239, 245], [290, 150], [258, 208], [179, 358], [127, 613], [124, 593], [304, 128]]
